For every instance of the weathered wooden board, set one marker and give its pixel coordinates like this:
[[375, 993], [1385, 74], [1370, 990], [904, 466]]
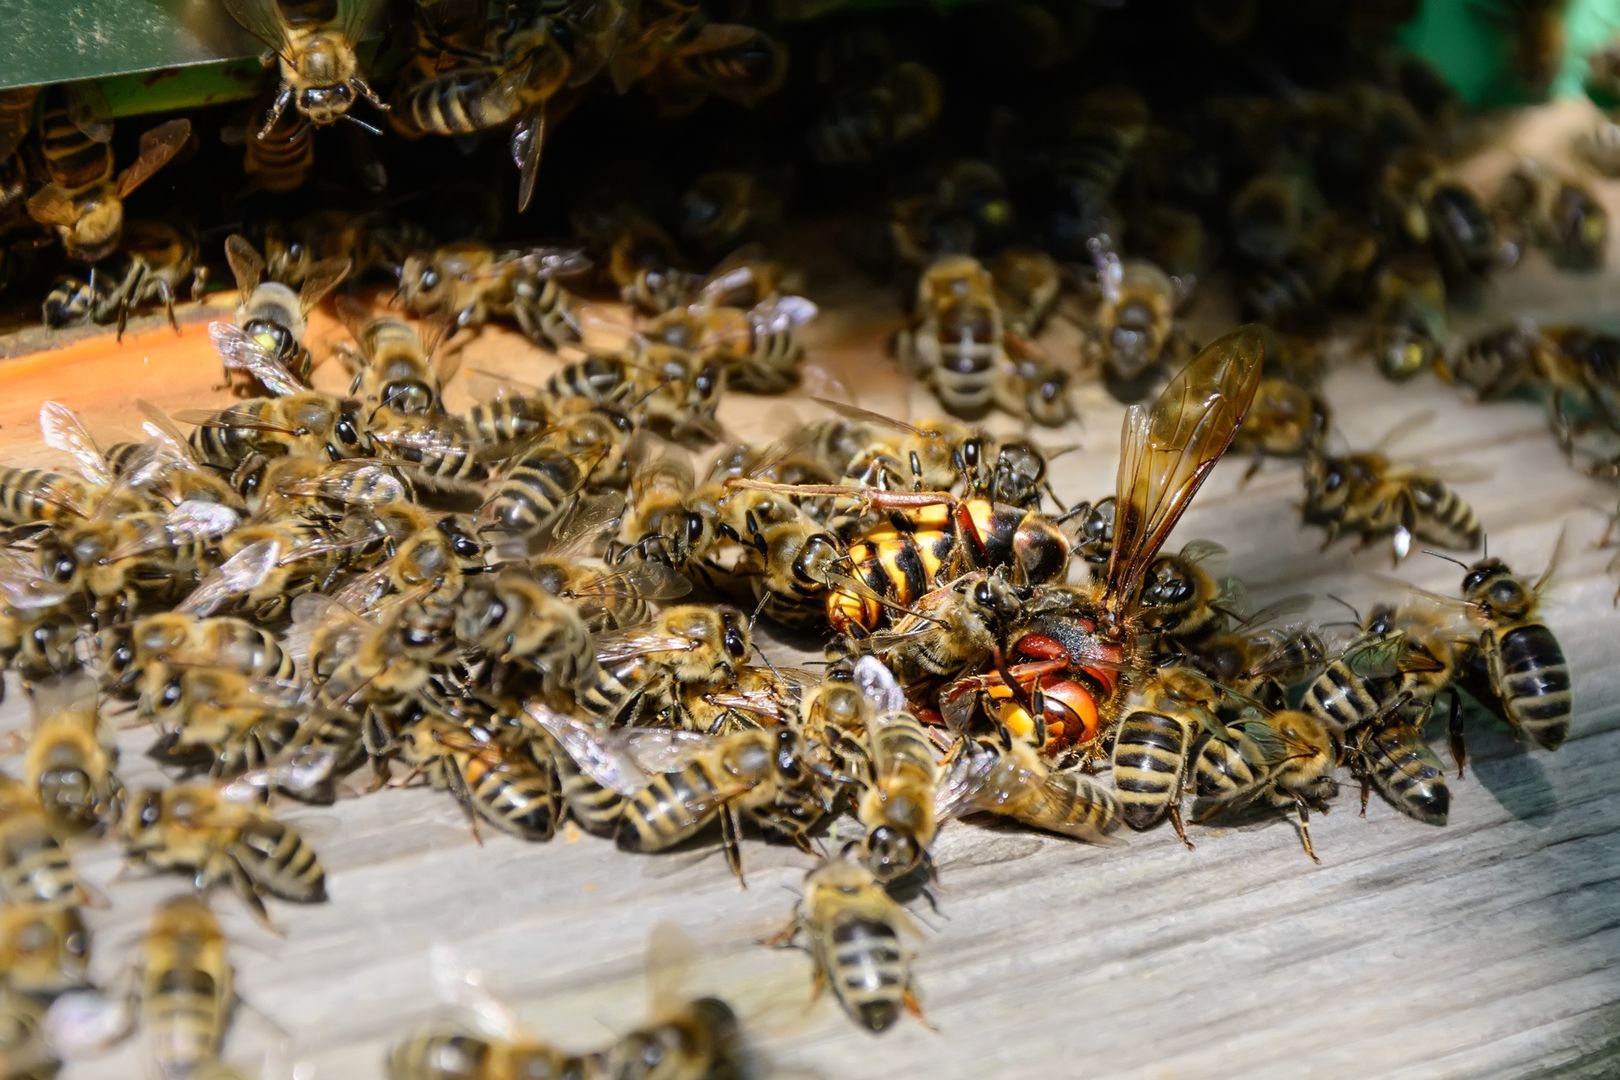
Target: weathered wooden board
[[1490, 947]]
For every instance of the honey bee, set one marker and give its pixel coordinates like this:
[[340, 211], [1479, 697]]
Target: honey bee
[[685, 644], [1181, 599], [668, 389], [609, 598], [1284, 759], [1028, 284], [666, 518], [195, 828], [84, 200], [957, 342], [1560, 215], [1392, 754], [506, 785], [671, 789], [38, 495], [548, 487], [44, 949], [1379, 673], [39, 623], [520, 626], [470, 284], [156, 261], [720, 207], [308, 424], [395, 365], [1010, 778], [951, 628], [1500, 361], [1135, 334], [282, 158], [1286, 420], [741, 64], [789, 565], [22, 1023], [1369, 494], [854, 933], [34, 866], [757, 344], [70, 760], [271, 319], [896, 803], [186, 986], [315, 48], [1408, 315], [223, 722], [1522, 658], [1153, 746], [870, 121]]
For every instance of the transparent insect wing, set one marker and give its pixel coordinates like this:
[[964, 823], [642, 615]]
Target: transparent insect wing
[[64, 431], [240, 574], [592, 749], [243, 352], [783, 313], [878, 685]]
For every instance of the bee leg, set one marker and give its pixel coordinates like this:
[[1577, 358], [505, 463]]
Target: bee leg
[[245, 887], [785, 937], [1366, 790], [1304, 825], [457, 786], [1177, 824], [166, 294], [728, 841], [908, 998], [1454, 727]]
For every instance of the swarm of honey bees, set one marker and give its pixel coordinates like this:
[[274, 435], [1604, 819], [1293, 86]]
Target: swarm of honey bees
[[549, 604]]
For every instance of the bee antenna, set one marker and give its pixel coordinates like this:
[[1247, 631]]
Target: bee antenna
[[1448, 558], [1347, 605], [359, 123]]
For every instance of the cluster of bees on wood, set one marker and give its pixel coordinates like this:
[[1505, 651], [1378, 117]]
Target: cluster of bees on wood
[[544, 604]]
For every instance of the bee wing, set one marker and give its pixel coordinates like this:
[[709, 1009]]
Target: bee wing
[[879, 686], [189, 522], [662, 750], [1057, 793], [648, 580], [87, 1023], [52, 205], [63, 430], [233, 417], [637, 641], [1168, 451], [88, 109], [420, 438], [963, 781], [247, 265], [241, 573], [586, 515], [462, 989], [23, 587], [528, 140], [262, 19], [158, 147], [598, 752], [244, 352], [550, 261], [159, 427], [867, 416], [322, 278], [17, 119], [1202, 551], [782, 313], [354, 17]]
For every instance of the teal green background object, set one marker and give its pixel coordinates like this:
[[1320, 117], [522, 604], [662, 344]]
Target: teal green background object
[[1471, 47]]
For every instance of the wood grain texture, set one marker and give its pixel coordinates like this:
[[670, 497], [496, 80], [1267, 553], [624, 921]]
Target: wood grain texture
[[1490, 947]]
